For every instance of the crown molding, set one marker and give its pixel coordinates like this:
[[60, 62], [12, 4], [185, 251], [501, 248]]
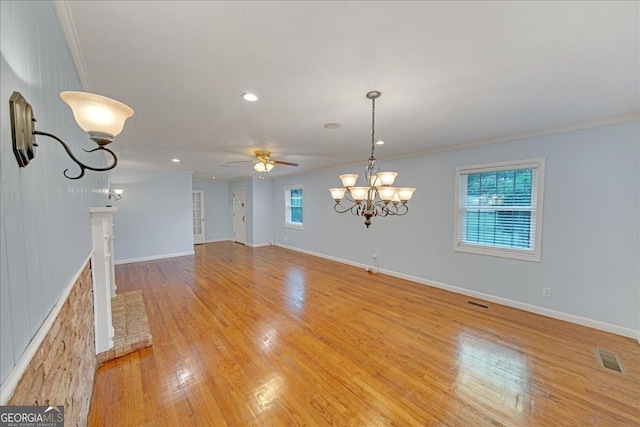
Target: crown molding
[[65, 18], [142, 168], [527, 135]]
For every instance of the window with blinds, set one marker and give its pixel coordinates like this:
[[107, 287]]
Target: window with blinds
[[293, 207], [499, 209]]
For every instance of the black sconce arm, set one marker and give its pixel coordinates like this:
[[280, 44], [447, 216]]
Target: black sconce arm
[[83, 167]]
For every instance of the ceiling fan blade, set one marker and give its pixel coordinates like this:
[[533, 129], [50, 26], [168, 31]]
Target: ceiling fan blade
[[241, 161], [278, 162]]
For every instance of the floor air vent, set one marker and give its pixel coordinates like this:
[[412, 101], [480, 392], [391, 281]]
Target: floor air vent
[[477, 304], [609, 361]]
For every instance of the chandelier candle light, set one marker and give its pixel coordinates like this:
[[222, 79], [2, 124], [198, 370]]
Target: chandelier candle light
[[379, 198]]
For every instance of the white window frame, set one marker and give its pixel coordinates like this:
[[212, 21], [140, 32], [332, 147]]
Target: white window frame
[[537, 165], [287, 207]]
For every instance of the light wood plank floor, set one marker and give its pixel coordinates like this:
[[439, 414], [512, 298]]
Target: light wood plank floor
[[271, 337]]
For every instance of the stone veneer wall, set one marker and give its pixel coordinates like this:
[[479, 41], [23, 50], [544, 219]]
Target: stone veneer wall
[[63, 368]]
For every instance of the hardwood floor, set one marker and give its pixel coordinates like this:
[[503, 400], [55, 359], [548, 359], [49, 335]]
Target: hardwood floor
[[271, 337]]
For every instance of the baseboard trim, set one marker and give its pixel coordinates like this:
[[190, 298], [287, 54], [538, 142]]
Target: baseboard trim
[[595, 324], [218, 240], [11, 382], [153, 258], [258, 245]]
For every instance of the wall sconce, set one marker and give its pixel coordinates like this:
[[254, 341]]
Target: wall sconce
[[102, 118], [116, 194]]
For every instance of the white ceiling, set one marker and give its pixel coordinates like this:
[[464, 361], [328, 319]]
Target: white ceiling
[[450, 73]]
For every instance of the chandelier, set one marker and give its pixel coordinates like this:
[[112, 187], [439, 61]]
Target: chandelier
[[379, 198]]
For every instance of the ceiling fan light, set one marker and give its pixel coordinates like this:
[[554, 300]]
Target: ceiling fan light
[[269, 166], [260, 167], [349, 180]]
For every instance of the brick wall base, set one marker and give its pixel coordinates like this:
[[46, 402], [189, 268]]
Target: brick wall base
[[63, 368]]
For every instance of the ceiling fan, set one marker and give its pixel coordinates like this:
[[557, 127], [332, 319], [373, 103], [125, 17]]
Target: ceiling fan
[[263, 162]]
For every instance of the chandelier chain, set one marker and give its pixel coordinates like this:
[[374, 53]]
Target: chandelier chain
[[373, 126]]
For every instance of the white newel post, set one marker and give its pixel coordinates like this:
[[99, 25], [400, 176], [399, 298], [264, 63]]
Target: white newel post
[[102, 271]]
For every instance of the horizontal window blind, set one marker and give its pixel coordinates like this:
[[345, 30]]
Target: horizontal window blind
[[497, 207]]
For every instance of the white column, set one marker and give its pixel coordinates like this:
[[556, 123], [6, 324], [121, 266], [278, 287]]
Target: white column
[[102, 271]]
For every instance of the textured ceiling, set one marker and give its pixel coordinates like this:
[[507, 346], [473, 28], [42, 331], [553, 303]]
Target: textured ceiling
[[450, 73]]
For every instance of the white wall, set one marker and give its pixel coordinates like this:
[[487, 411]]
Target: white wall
[[45, 226], [154, 218], [590, 236], [218, 224]]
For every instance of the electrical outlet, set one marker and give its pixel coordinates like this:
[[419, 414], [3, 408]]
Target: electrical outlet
[[374, 256], [546, 292]]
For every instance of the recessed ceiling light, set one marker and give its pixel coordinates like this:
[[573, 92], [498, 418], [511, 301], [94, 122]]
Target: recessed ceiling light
[[379, 142], [213, 177], [175, 160], [333, 126], [249, 97]]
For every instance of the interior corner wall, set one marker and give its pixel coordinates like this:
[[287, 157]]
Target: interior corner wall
[[262, 211], [154, 218], [258, 209], [217, 224], [591, 221], [45, 225]]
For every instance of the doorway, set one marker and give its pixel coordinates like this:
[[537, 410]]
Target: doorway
[[198, 216]]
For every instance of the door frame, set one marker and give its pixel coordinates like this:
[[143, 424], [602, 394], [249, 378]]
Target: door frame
[[243, 223], [202, 212]]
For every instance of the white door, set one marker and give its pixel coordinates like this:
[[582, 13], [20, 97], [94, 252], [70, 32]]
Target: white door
[[239, 211], [198, 216]]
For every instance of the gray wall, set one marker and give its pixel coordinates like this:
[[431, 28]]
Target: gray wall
[[259, 209], [262, 211], [45, 226], [590, 228], [218, 224], [154, 217]]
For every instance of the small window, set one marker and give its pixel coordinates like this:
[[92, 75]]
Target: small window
[[293, 202], [499, 209]]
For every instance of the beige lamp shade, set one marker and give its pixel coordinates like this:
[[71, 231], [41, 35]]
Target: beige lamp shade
[[387, 178], [405, 193], [95, 113], [349, 180], [387, 193], [338, 192], [359, 193]]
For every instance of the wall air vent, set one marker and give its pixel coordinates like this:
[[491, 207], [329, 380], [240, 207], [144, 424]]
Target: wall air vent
[[609, 361], [477, 304]]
